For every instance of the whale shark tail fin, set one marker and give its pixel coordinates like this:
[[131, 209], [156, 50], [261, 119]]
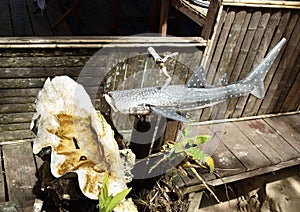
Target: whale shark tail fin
[[257, 75]]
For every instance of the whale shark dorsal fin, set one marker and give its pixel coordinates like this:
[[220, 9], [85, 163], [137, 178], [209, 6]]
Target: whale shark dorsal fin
[[223, 80], [197, 80], [259, 92], [169, 113]]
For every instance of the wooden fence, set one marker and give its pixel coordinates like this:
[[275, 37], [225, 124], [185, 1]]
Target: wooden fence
[[243, 35]]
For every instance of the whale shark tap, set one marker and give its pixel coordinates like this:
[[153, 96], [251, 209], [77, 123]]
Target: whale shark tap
[[169, 99]]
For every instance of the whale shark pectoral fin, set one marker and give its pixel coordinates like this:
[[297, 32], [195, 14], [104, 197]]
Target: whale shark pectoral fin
[[197, 80], [169, 113]]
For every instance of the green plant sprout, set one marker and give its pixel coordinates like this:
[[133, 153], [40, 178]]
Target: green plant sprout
[[189, 147], [107, 202]]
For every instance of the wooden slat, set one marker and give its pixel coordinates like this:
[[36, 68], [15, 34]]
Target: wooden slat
[[230, 45], [16, 100], [225, 162], [5, 19], [243, 149], [261, 52], [237, 50], [288, 127], [210, 20], [17, 108], [16, 118], [270, 169], [22, 83], [249, 129], [259, 33], [217, 55], [16, 126], [39, 21], [19, 171], [242, 57], [89, 42], [38, 72], [279, 144], [19, 92], [164, 11], [16, 135], [70, 61], [230, 51], [254, 103], [292, 101], [20, 19], [288, 54], [288, 77]]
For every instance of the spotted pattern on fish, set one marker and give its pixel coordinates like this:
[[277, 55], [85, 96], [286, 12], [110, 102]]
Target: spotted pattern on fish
[[173, 98]]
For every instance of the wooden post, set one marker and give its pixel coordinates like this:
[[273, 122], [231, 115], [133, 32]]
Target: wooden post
[[210, 18], [164, 11]]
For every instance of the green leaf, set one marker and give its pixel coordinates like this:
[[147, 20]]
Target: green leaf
[[107, 202], [210, 163], [186, 131], [117, 199], [201, 139]]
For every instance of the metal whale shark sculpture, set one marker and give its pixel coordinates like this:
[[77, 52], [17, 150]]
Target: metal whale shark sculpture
[[168, 100]]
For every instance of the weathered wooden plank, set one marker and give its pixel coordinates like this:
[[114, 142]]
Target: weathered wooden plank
[[27, 92], [217, 55], [19, 171], [288, 54], [292, 101], [16, 126], [270, 169], [54, 12], [208, 54], [39, 72], [243, 149], [17, 108], [288, 77], [39, 21], [279, 144], [261, 52], [285, 17], [230, 44], [22, 83], [16, 135], [5, 19], [288, 127], [20, 19], [226, 163], [221, 44], [242, 57], [252, 131], [238, 45], [16, 118], [210, 20], [70, 61], [261, 27], [16, 100], [236, 30], [39, 51]]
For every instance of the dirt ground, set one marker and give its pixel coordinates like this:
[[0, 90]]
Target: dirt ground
[[281, 196]]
